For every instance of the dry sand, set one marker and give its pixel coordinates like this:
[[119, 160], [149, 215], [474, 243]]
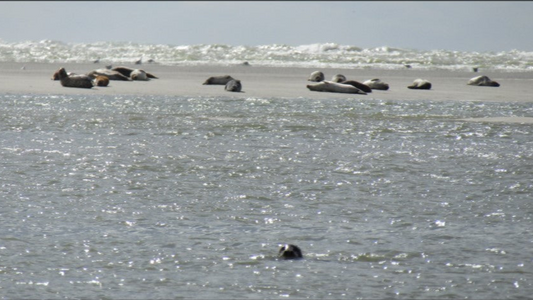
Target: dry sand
[[278, 82]]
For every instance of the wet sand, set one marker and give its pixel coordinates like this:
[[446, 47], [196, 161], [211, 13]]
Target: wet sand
[[275, 82]]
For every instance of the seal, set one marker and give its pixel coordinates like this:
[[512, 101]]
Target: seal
[[76, 81], [376, 84], [138, 74], [101, 80], [316, 76], [482, 81], [110, 74], [357, 84], [338, 78], [221, 80], [127, 72], [334, 87], [233, 85], [290, 251], [420, 84], [55, 76]]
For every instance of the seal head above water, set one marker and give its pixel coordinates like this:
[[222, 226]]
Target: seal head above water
[[290, 251]]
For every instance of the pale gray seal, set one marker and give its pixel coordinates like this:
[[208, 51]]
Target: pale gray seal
[[233, 85], [221, 80], [76, 81], [357, 84], [338, 78], [127, 72], [334, 87], [290, 251], [376, 84], [316, 76], [138, 75], [111, 74], [420, 84], [482, 81]]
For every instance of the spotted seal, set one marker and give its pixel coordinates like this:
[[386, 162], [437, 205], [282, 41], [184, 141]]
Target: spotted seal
[[233, 85], [316, 76], [376, 84], [334, 87], [290, 251], [420, 84], [76, 81], [482, 81], [221, 80]]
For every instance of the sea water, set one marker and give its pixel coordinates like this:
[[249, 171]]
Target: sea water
[[324, 55], [152, 197]]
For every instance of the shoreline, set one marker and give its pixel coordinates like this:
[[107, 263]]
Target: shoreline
[[283, 82]]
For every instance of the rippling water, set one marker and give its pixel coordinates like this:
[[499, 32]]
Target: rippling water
[[326, 55], [122, 197]]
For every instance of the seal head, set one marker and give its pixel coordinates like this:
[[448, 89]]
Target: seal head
[[290, 251]]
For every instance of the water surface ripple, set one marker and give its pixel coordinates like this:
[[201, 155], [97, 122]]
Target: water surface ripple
[[170, 197]]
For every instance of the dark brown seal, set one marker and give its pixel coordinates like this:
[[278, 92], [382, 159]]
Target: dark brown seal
[[221, 80], [76, 81]]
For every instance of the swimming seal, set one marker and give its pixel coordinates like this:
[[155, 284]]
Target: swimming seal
[[316, 76], [76, 81], [357, 84], [233, 86], [482, 81], [290, 251], [110, 74], [338, 78], [334, 87], [222, 80], [101, 80], [376, 84], [420, 84]]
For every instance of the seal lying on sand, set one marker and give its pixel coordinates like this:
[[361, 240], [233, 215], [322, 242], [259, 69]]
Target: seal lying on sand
[[128, 71], [55, 76], [222, 80], [233, 85], [357, 84], [334, 87], [338, 78], [420, 84], [482, 81], [77, 81], [110, 74], [316, 76], [376, 84], [101, 80], [138, 75], [290, 252]]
